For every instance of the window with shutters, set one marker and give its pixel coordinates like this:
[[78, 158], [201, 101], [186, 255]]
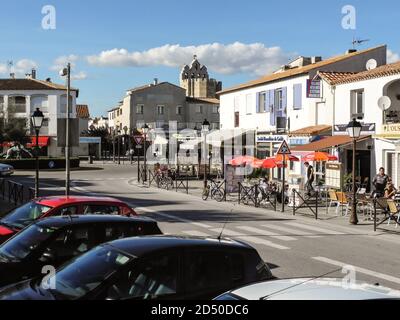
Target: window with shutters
[[297, 97], [279, 99], [261, 102], [139, 109]]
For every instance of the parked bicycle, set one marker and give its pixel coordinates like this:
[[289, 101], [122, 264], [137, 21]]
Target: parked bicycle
[[215, 189], [165, 179]]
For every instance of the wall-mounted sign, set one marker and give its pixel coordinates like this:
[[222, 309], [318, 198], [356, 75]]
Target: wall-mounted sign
[[313, 88], [391, 129], [95, 140], [299, 141], [367, 129], [266, 138]]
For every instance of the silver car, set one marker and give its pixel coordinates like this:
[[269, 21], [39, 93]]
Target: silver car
[[311, 289], [6, 170]]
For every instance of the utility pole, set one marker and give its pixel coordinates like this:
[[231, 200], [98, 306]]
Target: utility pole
[[67, 72]]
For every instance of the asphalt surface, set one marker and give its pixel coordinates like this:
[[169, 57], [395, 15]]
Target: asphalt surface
[[293, 246]]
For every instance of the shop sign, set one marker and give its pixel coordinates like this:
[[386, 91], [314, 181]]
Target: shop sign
[[268, 138]]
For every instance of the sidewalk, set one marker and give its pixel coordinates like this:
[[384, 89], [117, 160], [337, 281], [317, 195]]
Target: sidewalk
[[364, 226]]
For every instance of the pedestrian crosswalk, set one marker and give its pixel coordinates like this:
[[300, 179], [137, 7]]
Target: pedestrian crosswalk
[[273, 235]]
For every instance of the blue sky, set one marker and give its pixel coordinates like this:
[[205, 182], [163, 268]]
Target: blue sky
[[266, 33]]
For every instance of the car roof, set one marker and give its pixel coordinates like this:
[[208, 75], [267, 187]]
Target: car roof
[[56, 201], [61, 221], [318, 289], [139, 246]]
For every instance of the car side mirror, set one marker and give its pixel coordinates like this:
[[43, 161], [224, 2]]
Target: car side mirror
[[48, 256]]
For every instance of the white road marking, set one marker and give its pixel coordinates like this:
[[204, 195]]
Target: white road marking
[[195, 233], [267, 233], [315, 229], [251, 239], [361, 270], [202, 225], [291, 231]]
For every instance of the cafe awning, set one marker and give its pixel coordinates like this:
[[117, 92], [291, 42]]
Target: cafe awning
[[328, 143], [43, 142]]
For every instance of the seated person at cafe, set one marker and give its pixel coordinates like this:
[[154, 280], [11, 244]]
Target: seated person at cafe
[[390, 191]]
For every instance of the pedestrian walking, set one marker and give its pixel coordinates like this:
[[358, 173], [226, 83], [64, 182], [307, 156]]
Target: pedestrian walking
[[309, 178], [380, 182]]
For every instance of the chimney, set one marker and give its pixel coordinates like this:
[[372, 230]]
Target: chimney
[[12, 75], [48, 80], [155, 81], [316, 59], [351, 51], [33, 74]]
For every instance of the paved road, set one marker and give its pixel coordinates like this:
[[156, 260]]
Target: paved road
[[293, 246]]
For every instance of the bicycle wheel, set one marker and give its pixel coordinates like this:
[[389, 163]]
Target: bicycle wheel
[[169, 183], [218, 195], [206, 193]]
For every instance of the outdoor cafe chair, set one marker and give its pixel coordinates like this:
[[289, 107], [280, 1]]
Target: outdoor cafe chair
[[393, 212], [333, 199], [343, 202]]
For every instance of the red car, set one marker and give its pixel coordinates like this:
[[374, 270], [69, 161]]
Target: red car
[[41, 208]]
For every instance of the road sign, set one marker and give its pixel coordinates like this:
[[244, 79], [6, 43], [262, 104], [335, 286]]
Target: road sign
[[284, 149], [139, 139]]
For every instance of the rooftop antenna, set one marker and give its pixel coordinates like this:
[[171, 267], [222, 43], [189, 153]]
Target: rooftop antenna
[[358, 42]]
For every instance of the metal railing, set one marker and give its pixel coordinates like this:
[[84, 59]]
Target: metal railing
[[14, 192], [257, 195], [299, 202]]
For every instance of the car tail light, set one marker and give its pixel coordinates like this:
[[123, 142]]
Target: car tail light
[[5, 231]]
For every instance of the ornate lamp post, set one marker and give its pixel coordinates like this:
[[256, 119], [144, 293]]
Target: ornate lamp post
[[354, 130], [205, 128], [145, 131], [37, 122]]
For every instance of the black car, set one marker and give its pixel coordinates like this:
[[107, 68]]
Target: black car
[[156, 267], [55, 240]]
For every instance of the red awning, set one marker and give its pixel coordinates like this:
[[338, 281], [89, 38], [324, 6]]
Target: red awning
[[43, 142]]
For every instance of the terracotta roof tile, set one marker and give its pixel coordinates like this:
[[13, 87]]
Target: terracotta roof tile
[[335, 78], [311, 131], [328, 143], [296, 71], [30, 84], [82, 111], [202, 100]]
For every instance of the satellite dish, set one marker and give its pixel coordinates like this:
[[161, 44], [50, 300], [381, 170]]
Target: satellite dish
[[371, 64], [384, 103]]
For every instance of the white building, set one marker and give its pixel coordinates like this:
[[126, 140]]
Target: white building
[[356, 96], [19, 98], [293, 104]]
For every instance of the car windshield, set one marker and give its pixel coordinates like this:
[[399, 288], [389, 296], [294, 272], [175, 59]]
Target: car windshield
[[25, 215], [87, 272], [25, 242]]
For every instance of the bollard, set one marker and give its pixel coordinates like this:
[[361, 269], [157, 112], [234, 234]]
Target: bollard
[[374, 215], [240, 190], [294, 202]]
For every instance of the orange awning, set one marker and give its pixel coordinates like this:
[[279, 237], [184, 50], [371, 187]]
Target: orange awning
[[328, 143], [43, 142]]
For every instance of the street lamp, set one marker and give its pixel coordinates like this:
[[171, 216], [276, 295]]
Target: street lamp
[[145, 131], [354, 130], [66, 72], [205, 128], [119, 146], [37, 122]]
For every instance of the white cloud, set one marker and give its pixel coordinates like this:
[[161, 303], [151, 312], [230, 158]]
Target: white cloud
[[79, 76], [61, 62], [392, 56], [20, 68], [233, 58]]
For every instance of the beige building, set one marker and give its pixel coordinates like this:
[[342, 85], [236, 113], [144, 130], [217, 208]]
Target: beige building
[[196, 81]]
